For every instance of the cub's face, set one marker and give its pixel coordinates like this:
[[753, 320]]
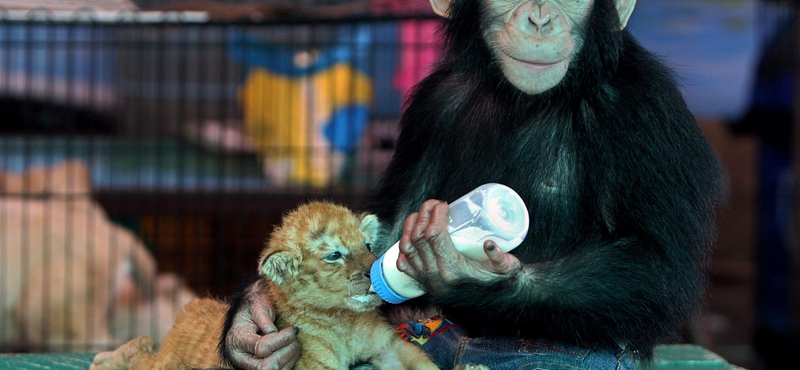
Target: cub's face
[[320, 256]]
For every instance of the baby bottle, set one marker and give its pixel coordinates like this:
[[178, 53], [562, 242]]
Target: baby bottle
[[490, 212]]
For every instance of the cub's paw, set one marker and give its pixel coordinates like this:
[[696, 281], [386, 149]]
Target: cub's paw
[[105, 361], [124, 357], [471, 367]]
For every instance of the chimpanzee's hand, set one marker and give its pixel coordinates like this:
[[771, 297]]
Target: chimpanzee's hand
[[254, 343], [427, 253]]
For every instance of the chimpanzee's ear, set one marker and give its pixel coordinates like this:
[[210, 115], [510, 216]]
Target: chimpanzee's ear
[[625, 9], [441, 7]]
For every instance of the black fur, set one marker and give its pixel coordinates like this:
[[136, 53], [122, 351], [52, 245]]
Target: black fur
[[620, 183]]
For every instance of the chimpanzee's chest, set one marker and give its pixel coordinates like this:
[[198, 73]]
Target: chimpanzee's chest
[[541, 160], [542, 168]]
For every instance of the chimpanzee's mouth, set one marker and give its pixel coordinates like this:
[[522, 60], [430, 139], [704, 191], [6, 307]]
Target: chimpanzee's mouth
[[534, 64]]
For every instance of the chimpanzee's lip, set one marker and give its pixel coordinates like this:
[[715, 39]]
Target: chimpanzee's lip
[[534, 64]]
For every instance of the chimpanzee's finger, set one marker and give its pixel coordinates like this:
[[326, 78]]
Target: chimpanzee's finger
[[422, 221], [499, 261], [261, 313], [279, 345], [436, 230]]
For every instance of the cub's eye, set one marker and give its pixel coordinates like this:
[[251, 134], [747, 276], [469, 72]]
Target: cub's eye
[[369, 247], [333, 256]]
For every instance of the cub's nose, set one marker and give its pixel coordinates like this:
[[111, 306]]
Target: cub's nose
[[360, 275]]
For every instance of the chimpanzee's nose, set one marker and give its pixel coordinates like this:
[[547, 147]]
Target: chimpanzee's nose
[[538, 18]]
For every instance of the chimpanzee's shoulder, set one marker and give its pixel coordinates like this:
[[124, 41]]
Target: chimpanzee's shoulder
[[642, 69], [449, 80], [444, 90]]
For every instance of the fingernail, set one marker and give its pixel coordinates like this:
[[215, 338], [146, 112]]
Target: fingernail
[[491, 246], [270, 331], [296, 330]]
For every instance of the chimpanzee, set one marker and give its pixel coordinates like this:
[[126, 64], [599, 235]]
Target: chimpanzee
[[555, 99]]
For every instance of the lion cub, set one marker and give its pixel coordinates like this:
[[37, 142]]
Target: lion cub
[[318, 262]]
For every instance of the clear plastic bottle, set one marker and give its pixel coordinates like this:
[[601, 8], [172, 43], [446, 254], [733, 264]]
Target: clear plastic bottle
[[490, 212]]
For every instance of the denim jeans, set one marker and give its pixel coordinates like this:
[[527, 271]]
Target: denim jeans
[[448, 345]]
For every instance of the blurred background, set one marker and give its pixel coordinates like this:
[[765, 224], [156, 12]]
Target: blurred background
[[147, 148]]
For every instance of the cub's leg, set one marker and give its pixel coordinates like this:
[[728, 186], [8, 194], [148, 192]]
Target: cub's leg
[[191, 343], [325, 362], [402, 355], [316, 356]]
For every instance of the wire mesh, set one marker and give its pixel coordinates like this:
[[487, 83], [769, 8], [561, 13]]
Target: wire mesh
[[144, 157]]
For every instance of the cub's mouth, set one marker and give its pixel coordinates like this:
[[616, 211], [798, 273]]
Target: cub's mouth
[[364, 301]]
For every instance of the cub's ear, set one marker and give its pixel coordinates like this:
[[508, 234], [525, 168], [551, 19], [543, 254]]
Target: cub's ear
[[371, 227], [278, 267]]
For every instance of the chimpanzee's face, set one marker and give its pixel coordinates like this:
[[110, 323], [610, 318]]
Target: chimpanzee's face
[[535, 41]]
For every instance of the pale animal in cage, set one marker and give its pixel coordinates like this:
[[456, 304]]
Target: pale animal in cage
[[67, 272]]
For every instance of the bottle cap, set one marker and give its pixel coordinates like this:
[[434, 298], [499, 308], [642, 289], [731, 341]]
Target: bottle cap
[[381, 286]]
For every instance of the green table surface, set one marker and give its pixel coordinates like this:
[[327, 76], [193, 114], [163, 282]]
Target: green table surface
[[60, 361], [667, 357]]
